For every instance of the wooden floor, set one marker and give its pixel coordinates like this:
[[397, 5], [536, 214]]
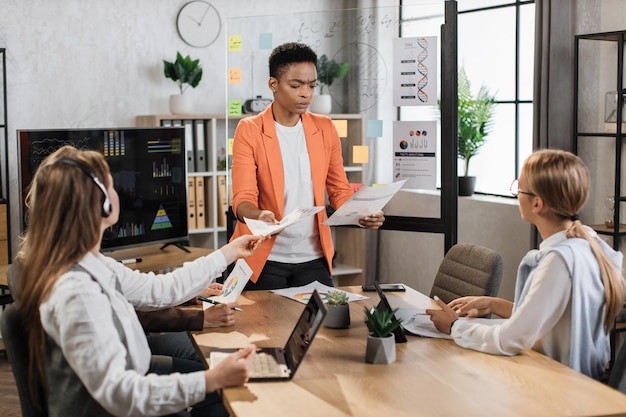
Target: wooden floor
[[9, 400]]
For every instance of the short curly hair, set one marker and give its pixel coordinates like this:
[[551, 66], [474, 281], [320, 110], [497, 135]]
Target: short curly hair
[[288, 53]]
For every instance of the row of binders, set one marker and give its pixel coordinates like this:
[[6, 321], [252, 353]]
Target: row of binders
[[195, 145], [199, 133], [198, 212]]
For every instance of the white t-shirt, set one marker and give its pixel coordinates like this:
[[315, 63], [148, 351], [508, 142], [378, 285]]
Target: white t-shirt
[[299, 242]]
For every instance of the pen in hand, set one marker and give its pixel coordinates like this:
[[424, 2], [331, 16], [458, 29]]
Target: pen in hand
[[208, 300]]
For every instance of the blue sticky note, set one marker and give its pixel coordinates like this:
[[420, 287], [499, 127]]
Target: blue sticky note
[[265, 41], [374, 128]]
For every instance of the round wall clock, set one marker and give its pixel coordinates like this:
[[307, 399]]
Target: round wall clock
[[198, 23]]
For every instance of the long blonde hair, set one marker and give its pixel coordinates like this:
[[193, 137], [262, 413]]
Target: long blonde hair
[[63, 223], [562, 181]]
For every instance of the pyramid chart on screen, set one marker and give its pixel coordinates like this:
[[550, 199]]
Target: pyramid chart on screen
[[161, 220]]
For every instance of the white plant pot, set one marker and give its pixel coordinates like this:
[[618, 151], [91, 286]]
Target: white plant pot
[[380, 350], [321, 104], [180, 104]]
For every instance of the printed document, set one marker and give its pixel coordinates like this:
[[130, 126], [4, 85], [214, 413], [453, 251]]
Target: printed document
[[234, 284], [303, 293], [261, 228], [364, 202]]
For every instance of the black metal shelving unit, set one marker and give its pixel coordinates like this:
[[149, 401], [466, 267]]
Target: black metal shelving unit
[[5, 296], [617, 229]]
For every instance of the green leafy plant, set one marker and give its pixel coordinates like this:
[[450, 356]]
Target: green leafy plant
[[183, 71], [337, 298], [381, 323], [328, 71], [475, 118]]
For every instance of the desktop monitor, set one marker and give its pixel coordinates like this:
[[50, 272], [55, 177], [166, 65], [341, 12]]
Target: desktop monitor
[[148, 169]]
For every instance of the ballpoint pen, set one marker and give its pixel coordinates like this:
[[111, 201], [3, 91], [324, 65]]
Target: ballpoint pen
[[208, 300]]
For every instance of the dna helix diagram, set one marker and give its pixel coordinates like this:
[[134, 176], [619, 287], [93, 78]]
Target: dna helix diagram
[[422, 69]]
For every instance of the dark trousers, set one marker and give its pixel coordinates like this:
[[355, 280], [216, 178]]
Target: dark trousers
[[277, 275], [174, 352]]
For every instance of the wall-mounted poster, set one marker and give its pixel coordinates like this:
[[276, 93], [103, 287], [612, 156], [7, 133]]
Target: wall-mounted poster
[[414, 153], [415, 71]]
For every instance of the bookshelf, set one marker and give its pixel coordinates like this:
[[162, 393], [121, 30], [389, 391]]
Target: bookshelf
[[206, 146], [601, 131], [207, 136]]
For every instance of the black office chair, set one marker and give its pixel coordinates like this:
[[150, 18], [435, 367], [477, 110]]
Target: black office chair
[[619, 326], [16, 346], [617, 375], [468, 270]]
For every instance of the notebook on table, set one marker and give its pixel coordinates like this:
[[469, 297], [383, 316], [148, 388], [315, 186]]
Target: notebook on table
[[281, 363]]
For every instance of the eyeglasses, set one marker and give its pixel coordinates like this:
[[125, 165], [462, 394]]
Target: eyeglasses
[[515, 191]]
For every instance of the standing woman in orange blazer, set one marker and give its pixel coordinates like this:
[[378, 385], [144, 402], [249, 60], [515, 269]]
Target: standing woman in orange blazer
[[285, 158]]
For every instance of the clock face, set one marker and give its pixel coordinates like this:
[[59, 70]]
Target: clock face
[[198, 23]]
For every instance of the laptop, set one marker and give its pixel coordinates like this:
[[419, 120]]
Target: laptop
[[281, 363]]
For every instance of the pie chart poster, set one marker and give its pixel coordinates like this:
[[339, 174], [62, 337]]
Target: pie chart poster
[[414, 153]]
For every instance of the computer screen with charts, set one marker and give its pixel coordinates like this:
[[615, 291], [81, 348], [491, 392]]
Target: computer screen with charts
[[148, 169]]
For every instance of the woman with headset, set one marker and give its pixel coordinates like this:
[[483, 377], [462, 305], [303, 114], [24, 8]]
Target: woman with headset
[[87, 350]]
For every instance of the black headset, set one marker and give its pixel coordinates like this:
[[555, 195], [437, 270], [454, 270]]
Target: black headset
[[106, 204]]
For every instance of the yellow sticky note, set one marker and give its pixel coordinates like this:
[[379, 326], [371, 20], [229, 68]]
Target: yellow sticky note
[[342, 127], [234, 76], [234, 107], [234, 43], [360, 154], [230, 145]]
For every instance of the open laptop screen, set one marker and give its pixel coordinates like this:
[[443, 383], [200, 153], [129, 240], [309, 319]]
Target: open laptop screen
[[308, 324]]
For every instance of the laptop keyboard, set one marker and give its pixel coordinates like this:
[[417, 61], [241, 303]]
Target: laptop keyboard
[[266, 366]]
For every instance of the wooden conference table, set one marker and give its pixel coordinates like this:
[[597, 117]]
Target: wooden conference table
[[431, 377]]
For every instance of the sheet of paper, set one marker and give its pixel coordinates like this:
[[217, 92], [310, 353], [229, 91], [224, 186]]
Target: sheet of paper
[[303, 294], [411, 299], [234, 284], [366, 201], [261, 228], [417, 323]]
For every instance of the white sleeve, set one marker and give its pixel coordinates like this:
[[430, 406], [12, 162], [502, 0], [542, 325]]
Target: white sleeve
[[78, 317], [147, 291], [543, 306]]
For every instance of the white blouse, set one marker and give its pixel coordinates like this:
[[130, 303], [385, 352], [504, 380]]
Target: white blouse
[[541, 322], [78, 317]]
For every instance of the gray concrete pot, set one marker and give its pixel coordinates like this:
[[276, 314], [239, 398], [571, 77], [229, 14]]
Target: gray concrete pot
[[380, 350], [338, 317]]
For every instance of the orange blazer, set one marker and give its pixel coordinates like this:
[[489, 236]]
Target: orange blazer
[[258, 177]]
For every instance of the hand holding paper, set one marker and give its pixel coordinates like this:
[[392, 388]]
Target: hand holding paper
[[364, 202], [234, 284], [261, 228]]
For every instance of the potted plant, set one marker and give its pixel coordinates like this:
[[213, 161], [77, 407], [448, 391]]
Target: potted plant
[[327, 72], [381, 343], [475, 117], [185, 72], [338, 316]]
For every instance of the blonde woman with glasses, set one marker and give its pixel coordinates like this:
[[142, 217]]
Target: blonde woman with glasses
[[567, 293]]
